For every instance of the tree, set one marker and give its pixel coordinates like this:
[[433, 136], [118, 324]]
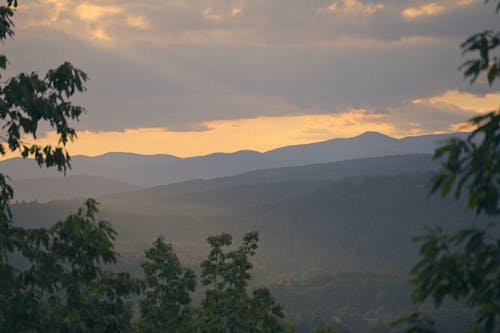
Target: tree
[[484, 44], [227, 305], [466, 266], [57, 283], [64, 287], [26, 101], [166, 306]]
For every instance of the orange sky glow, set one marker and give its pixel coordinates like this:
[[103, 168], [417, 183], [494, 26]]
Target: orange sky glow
[[262, 133], [296, 92]]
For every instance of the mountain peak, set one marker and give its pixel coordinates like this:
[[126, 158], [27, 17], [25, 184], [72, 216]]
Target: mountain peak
[[373, 135]]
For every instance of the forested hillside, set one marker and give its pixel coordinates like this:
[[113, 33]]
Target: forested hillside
[[325, 230]]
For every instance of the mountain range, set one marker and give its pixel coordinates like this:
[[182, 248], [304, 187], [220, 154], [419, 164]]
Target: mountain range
[[335, 237], [360, 209], [122, 172]]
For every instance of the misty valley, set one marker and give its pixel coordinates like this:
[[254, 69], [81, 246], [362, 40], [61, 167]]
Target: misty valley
[[335, 238]]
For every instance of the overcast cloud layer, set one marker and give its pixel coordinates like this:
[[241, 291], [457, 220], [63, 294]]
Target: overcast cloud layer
[[181, 63]]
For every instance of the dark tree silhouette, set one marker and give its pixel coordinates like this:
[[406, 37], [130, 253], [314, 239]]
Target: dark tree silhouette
[[466, 266]]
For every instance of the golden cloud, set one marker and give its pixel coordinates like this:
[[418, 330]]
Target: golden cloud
[[91, 12], [100, 34], [465, 101], [353, 7], [138, 22], [260, 134], [236, 11], [430, 9], [210, 14]]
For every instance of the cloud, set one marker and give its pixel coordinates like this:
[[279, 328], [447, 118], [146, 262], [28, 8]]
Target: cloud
[[465, 101], [91, 12], [258, 22], [236, 11], [266, 133], [261, 134], [176, 66], [421, 118], [193, 127], [211, 15], [352, 8], [139, 22], [163, 87], [100, 34], [434, 8], [429, 9]]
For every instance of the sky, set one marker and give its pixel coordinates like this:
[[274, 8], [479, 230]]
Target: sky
[[193, 77]]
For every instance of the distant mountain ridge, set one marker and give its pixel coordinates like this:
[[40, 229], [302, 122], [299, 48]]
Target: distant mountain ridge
[[341, 214], [280, 182], [152, 170]]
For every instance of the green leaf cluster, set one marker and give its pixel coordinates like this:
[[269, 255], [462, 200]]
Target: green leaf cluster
[[484, 45], [465, 266], [227, 304], [473, 165], [166, 304], [63, 286]]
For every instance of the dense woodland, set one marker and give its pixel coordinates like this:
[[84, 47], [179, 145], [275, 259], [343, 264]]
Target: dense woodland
[[311, 255]]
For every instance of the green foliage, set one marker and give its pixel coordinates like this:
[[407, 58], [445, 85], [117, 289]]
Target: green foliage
[[27, 101], [301, 231], [63, 286], [484, 44], [6, 24], [59, 283], [473, 165], [466, 266], [227, 305], [166, 306]]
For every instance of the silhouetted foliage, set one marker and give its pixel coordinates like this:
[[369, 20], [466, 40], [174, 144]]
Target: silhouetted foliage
[[227, 306], [166, 304], [63, 287], [26, 101], [465, 266], [59, 283], [484, 44], [473, 165]]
